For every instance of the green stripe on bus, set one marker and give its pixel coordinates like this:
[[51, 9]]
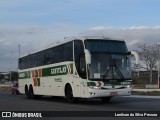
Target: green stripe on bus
[[91, 84], [36, 73], [109, 83], [71, 66], [54, 71], [50, 71], [24, 75], [38, 80]]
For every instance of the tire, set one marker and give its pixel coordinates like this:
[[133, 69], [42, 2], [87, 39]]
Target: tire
[[69, 95], [31, 93], [106, 99], [27, 92]]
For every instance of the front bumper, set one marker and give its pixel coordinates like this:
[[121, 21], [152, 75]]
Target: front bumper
[[108, 92]]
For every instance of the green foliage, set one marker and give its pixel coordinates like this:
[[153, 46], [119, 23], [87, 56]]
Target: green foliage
[[2, 76], [14, 76]]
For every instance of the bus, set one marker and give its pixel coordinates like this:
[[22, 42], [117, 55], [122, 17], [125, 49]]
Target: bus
[[79, 67]]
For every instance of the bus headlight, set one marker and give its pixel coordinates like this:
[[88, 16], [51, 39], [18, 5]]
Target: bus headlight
[[128, 86], [95, 87]]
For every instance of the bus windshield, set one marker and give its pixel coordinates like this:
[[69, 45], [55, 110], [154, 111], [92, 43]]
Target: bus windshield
[[109, 60]]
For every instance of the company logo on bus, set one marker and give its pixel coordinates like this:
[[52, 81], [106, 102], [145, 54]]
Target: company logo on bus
[[62, 70], [58, 70]]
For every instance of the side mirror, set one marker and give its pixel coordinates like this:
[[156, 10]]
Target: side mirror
[[135, 54], [87, 56]]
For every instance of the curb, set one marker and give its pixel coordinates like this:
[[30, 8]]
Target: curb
[[145, 90]]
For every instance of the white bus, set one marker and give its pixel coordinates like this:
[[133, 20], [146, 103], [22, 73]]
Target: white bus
[[84, 67]]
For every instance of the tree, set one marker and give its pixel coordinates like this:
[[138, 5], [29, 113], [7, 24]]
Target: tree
[[1, 76], [14, 75], [149, 56]]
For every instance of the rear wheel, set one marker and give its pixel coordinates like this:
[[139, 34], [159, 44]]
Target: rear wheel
[[27, 92], [69, 94], [31, 93], [105, 99]]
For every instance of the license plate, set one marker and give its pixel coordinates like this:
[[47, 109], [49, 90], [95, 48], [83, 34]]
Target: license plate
[[113, 93]]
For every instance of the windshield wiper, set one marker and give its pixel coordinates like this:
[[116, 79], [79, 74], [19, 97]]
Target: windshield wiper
[[110, 68], [118, 70]]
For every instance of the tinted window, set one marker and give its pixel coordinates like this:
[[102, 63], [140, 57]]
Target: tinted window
[[68, 52], [58, 54], [48, 57], [78, 54], [33, 60], [109, 46], [54, 55], [40, 58], [26, 61], [20, 63]]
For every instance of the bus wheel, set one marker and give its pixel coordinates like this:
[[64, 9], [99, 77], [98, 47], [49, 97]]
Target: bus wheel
[[69, 94], [31, 93], [105, 99], [27, 92]]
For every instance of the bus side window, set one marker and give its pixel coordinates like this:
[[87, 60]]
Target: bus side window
[[20, 63], [33, 60], [68, 51], [27, 62], [48, 57], [58, 54], [79, 58], [40, 59]]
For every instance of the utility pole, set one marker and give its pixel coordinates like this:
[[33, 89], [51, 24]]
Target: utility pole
[[10, 70]]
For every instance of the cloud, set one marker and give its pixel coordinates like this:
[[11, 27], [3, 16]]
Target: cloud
[[32, 39], [137, 27], [142, 27], [98, 28], [5, 42], [132, 35], [134, 42]]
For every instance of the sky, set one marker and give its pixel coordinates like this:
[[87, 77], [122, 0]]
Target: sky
[[35, 24]]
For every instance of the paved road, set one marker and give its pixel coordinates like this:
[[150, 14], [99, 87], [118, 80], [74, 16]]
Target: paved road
[[10, 102]]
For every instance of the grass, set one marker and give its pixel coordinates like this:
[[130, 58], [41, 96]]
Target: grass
[[6, 88]]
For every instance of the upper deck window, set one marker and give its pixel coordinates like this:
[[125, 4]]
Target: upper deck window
[[109, 46]]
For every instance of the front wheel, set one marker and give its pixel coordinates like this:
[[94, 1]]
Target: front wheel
[[69, 94], [105, 99]]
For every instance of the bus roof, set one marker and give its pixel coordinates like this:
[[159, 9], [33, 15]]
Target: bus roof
[[69, 39]]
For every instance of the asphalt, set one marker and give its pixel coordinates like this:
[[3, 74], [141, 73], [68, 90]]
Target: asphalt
[[47, 104]]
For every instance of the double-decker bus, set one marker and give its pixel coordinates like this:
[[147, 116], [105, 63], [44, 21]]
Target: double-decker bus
[[81, 67]]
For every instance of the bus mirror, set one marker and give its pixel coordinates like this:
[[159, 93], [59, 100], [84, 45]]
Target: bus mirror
[[135, 54], [87, 56]]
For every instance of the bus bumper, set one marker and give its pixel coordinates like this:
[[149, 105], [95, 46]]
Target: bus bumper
[[109, 92]]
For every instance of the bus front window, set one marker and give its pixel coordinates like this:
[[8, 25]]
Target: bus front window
[[109, 60], [109, 66]]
